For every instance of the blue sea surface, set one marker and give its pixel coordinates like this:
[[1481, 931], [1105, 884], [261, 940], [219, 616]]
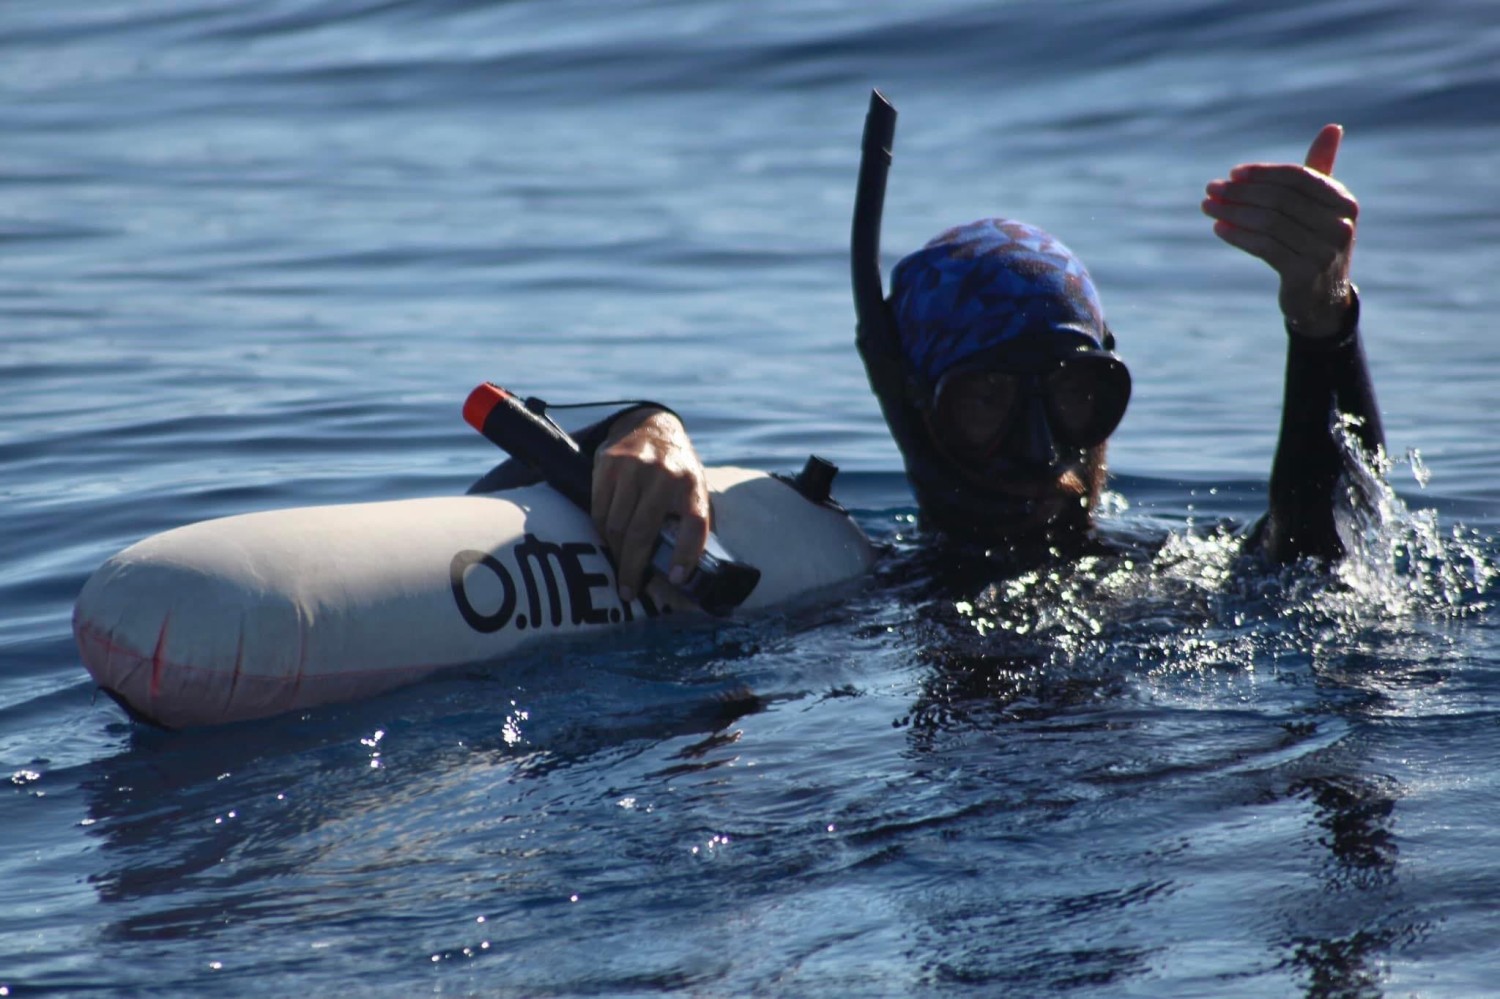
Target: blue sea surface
[[254, 255]]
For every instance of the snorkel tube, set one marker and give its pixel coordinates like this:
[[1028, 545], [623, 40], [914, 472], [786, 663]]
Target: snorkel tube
[[864, 241], [875, 334]]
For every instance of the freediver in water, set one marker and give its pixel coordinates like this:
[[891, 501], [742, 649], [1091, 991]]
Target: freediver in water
[[997, 375]]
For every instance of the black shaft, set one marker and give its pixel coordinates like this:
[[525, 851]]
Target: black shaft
[[544, 447], [869, 206]]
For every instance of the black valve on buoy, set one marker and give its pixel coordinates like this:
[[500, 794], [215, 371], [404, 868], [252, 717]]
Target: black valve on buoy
[[815, 481]]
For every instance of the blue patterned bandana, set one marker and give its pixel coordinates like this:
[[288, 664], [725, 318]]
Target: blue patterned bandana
[[979, 285]]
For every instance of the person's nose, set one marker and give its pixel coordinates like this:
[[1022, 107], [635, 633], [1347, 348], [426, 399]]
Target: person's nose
[[1037, 445]]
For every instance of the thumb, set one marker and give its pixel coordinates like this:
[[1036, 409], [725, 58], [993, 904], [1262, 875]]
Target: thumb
[[1324, 148]]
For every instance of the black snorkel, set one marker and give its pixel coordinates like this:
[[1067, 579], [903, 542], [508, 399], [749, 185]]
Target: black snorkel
[[875, 334]]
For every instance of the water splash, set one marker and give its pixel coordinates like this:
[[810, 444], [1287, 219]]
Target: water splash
[[1401, 563], [1190, 601]]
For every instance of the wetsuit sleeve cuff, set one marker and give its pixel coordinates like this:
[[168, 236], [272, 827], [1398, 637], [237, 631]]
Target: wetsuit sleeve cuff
[[1347, 335], [592, 437], [513, 473]]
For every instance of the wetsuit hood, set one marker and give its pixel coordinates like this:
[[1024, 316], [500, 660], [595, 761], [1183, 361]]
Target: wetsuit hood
[[977, 287]]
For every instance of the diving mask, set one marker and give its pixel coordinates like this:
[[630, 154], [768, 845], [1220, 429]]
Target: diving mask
[[1027, 404]]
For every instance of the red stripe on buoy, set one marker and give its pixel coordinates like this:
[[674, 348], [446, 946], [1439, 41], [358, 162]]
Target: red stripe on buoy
[[157, 659]]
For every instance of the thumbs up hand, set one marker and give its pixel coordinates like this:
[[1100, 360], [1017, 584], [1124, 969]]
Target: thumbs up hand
[[1302, 222]]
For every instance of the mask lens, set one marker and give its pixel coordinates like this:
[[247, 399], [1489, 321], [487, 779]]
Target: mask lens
[[974, 410], [1086, 398]]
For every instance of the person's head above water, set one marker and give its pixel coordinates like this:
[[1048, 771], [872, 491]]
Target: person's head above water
[[1008, 358]]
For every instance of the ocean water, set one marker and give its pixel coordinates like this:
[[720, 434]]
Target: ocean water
[[255, 254]]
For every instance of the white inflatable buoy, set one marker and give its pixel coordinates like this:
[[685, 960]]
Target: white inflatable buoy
[[254, 615]]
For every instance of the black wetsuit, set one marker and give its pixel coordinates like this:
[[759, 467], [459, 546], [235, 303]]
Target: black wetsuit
[[1325, 380]]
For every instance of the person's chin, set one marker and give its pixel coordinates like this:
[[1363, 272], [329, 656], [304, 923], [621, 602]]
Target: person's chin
[[1041, 507], [1031, 509]]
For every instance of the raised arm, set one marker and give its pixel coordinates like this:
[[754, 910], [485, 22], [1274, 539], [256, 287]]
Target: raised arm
[[1302, 222]]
